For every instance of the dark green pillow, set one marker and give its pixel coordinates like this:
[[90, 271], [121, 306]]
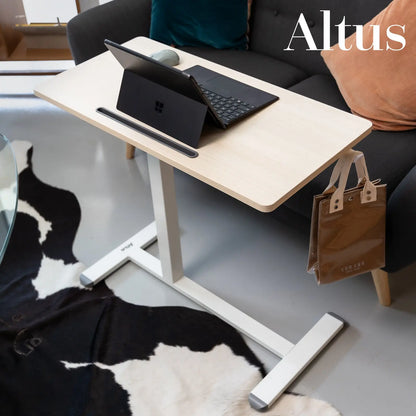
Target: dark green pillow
[[221, 24]]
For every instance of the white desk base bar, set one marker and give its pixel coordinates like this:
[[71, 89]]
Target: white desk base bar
[[295, 357], [293, 363], [244, 323], [130, 250]]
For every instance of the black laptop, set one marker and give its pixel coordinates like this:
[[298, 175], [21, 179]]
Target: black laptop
[[179, 102]]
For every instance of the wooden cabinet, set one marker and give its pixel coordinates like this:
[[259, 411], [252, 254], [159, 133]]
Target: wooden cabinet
[[41, 42], [23, 40]]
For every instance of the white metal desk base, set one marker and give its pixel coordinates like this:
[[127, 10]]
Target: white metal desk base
[[169, 269]]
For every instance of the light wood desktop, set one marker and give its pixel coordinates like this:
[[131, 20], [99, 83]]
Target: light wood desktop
[[261, 161]]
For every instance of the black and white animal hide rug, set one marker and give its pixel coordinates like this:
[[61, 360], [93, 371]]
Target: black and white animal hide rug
[[70, 351]]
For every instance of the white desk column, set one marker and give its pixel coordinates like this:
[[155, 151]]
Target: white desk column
[[162, 184]]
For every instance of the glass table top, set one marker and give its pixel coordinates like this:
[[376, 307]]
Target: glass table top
[[8, 192]]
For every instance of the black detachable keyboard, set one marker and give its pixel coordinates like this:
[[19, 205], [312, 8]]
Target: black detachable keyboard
[[228, 109]]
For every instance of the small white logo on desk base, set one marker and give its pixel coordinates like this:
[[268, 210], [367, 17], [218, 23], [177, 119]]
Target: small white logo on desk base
[[127, 246]]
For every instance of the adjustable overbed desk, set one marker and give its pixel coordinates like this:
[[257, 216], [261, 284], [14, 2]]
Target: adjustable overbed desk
[[261, 161]]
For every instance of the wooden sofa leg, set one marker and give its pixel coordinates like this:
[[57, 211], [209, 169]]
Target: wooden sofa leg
[[381, 282], [129, 151]]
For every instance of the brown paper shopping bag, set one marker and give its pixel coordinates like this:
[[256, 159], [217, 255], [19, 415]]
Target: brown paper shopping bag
[[348, 226]]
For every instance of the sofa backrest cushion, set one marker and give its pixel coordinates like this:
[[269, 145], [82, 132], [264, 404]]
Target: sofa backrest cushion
[[273, 23], [217, 23]]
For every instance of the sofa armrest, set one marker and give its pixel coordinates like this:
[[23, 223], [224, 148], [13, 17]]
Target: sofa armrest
[[119, 20], [401, 224]]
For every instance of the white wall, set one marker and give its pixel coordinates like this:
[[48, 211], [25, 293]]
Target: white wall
[[88, 4], [48, 11]]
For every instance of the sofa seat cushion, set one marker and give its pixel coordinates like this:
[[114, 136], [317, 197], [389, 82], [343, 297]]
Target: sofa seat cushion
[[254, 64], [389, 155]]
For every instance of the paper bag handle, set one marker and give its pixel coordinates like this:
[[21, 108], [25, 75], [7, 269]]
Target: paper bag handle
[[341, 172]]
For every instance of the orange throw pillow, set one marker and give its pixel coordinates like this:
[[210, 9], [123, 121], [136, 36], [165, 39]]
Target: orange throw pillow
[[380, 85]]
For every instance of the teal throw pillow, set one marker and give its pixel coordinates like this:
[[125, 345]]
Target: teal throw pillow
[[221, 24]]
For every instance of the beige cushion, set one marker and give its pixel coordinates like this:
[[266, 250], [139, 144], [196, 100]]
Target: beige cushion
[[380, 85]]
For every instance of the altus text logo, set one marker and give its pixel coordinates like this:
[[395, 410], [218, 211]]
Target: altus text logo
[[395, 39]]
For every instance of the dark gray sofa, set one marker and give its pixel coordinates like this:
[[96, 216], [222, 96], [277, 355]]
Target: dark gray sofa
[[390, 156]]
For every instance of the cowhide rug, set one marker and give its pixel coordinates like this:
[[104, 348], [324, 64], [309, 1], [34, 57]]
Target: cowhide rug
[[67, 350]]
